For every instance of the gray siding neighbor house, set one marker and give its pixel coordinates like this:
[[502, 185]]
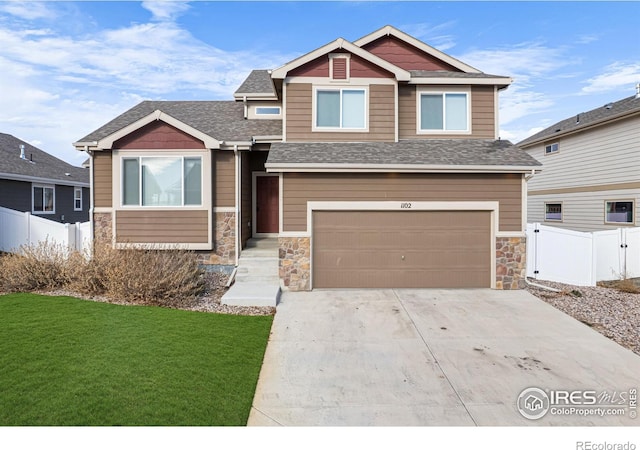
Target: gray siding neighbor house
[[591, 177], [34, 181]]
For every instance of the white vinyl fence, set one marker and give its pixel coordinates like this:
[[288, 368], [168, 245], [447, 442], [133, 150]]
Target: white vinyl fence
[[21, 228], [582, 259]]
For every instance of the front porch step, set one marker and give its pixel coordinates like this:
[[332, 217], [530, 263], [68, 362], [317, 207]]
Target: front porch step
[[252, 294], [257, 281]]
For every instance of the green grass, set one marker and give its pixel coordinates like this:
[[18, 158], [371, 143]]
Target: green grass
[[65, 361]]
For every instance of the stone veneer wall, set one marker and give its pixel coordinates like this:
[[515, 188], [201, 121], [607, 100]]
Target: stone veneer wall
[[295, 262], [102, 227], [511, 258], [224, 240]]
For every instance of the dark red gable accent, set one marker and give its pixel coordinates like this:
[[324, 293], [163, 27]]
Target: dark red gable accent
[[405, 55], [360, 68], [158, 135], [339, 68]]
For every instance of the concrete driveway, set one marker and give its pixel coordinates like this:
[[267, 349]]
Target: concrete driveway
[[434, 357]]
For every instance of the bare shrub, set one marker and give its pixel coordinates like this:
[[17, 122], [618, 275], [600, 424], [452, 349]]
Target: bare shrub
[[157, 276], [625, 285], [37, 267]]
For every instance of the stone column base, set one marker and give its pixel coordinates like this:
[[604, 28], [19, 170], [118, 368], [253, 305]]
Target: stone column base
[[511, 259], [295, 262]]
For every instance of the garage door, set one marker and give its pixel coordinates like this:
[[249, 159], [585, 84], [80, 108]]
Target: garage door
[[401, 249]]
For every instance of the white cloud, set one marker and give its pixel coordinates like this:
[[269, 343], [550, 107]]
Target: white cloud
[[165, 9], [433, 35], [28, 10], [615, 76], [58, 87]]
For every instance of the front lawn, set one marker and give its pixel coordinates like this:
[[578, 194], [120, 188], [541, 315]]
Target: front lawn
[[65, 361]]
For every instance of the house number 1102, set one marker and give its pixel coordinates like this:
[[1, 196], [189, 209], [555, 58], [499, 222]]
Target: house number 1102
[[405, 205]]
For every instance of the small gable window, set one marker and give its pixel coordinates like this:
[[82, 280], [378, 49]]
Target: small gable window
[[443, 112], [340, 109], [44, 199], [339, 66], [162, 181], [551, 148], [267, 110]]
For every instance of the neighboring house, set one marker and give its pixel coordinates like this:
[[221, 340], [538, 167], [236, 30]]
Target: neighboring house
[[591, 177], [376, 163], [32, 180]]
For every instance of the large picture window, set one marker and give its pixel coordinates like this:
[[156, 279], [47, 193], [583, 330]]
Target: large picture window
[[162, 181], [444, 111], [341, 108], [44, 199]]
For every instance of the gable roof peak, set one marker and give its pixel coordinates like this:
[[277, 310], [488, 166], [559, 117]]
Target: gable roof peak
[[389, 30]]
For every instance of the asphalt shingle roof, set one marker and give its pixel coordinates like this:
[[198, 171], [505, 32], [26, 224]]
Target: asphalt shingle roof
[[44, 165], [600, 114], [428, 152], [258, 82], [222, 120]]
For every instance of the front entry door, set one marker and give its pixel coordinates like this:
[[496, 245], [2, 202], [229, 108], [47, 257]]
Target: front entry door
[[267, 195]]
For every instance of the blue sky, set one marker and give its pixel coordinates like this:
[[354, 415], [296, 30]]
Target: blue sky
[[67, 68]]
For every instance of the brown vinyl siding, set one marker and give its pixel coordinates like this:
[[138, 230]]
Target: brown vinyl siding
[[158, 136], [224, 179], [246, 198], [482, 114], [102, 179], [299, 116], [170, 227], [405, 55], [301, 188]]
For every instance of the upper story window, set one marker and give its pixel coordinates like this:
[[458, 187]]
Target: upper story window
[[162, 181], [551, 148], [340, 109], [443, 112], [77, 199], [43, 199], [267, 110]]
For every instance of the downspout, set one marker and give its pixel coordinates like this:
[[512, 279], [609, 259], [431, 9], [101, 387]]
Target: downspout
[[237, 209], [91, 202], [246, 108]]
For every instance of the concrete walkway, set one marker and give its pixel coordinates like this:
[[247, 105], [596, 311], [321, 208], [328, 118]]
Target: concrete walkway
[[429, 357]]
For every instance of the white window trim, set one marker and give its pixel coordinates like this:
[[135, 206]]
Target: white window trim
[[553, 152], [43, 186], [561, 212], [633, 212], [444, 91], [346, 56], [118, 181], [314, 101], [75, 190], [257, 109]]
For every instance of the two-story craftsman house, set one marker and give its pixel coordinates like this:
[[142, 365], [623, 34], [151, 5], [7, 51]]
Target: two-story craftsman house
[[376, 163]]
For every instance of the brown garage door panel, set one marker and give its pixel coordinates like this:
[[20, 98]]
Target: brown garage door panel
[[382, 249]]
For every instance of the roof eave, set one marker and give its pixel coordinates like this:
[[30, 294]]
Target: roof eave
[[398, 168], [523, 144], [43, 180], [254, 96], [500, 82]]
